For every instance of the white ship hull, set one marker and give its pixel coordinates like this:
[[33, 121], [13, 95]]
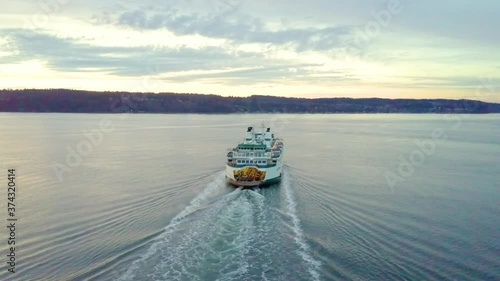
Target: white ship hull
[[271, 175]]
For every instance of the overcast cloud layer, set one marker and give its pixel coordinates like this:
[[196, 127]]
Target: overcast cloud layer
[[316, 48]]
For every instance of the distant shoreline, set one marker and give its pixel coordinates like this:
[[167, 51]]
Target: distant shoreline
[[249, 113], [76, 101]]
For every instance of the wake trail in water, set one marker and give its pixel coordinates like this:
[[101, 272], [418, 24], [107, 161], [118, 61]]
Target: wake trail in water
[[212, 188], [313, 265], [237, 236]]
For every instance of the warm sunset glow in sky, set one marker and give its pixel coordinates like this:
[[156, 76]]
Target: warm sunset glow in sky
[[315, 48]]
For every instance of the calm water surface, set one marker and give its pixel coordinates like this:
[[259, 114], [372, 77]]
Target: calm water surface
[[364, 197]]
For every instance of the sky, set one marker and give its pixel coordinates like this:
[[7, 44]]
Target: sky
[[292, 48]]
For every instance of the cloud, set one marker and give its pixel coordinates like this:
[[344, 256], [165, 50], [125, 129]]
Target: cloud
[[181, 64], [442, 45], [454, 81], [264, 74], [68, 54], [241, 28]]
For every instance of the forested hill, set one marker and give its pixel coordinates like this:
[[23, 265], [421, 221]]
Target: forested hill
[[61, 100]]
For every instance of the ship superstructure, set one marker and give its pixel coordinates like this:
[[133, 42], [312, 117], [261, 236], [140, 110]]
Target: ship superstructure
[[256, 161]]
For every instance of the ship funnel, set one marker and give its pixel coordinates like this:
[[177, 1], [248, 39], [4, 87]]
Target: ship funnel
[[268, 138], [250, 136]]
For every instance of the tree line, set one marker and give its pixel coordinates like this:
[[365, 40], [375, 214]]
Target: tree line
[[76, 101]]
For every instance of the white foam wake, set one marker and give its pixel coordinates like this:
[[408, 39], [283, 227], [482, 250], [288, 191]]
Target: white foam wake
[[313, 265], [212, 188]]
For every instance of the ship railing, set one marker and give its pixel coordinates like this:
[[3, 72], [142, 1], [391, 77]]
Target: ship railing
[[252, 154], [235, 165]]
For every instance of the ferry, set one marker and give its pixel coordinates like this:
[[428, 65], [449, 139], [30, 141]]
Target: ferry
[[257, 161]]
